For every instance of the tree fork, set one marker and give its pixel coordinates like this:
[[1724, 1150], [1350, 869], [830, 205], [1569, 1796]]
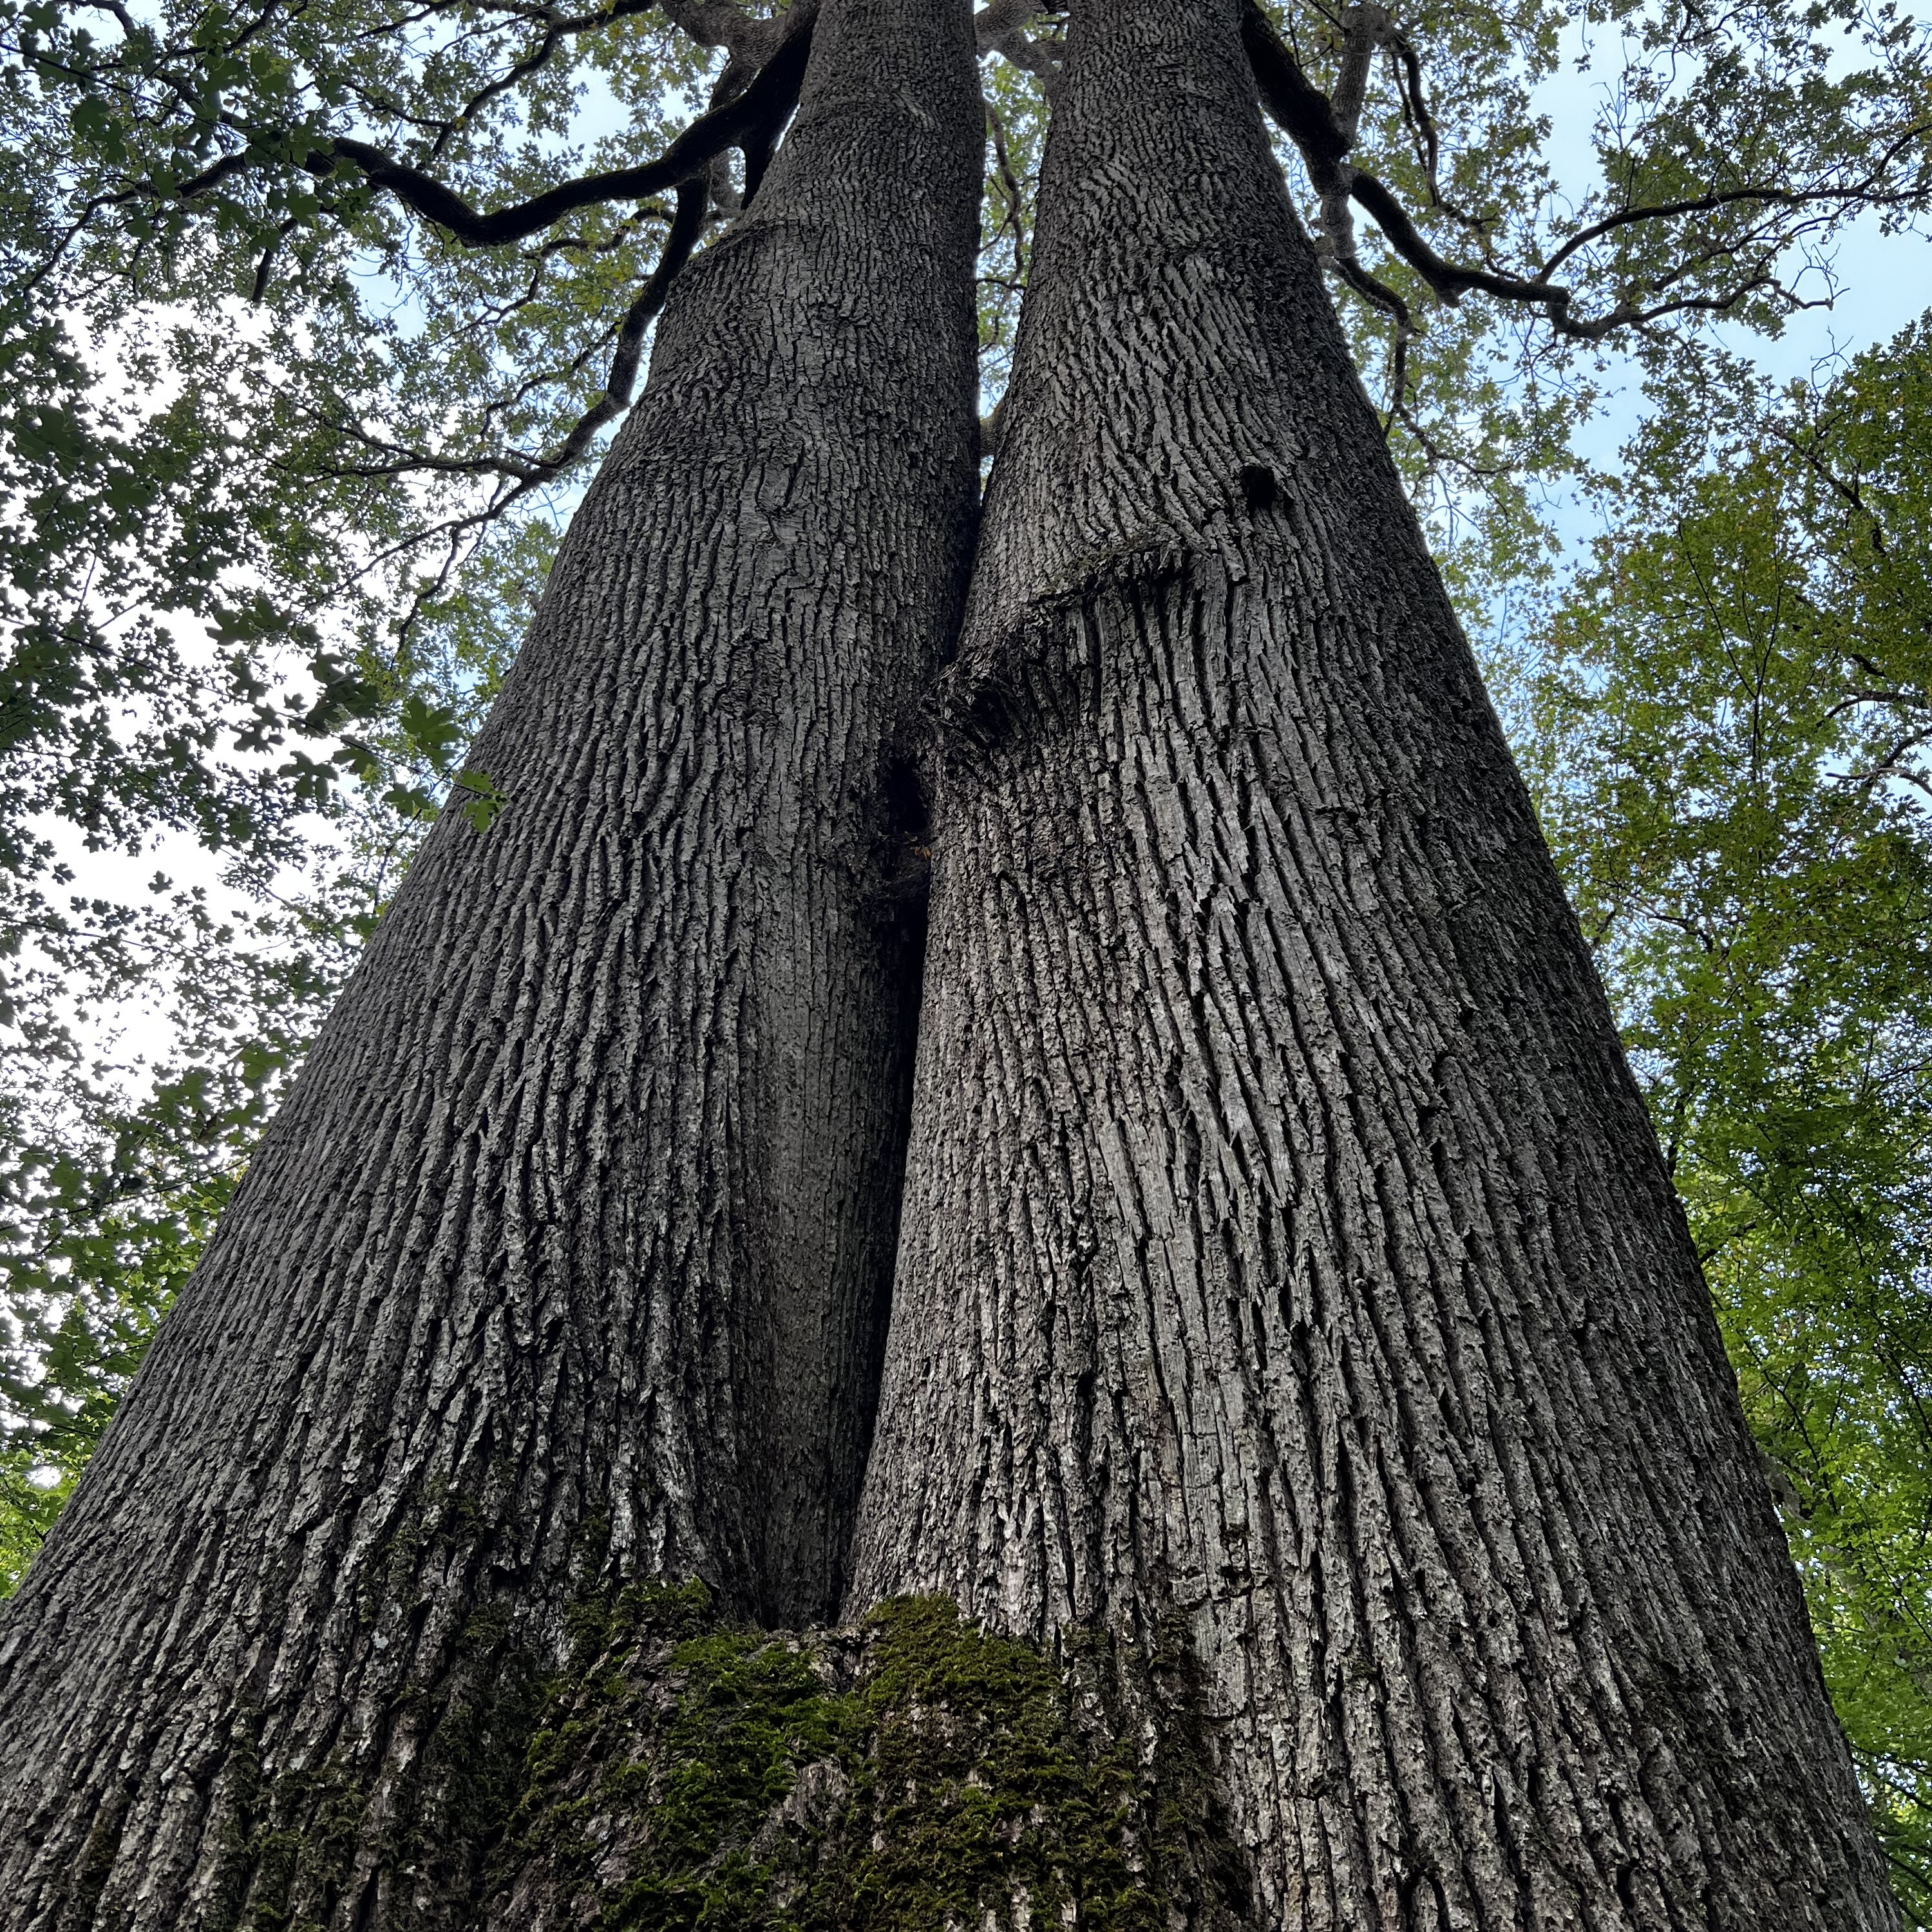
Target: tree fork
[[565, 1263], [1285, 1244]]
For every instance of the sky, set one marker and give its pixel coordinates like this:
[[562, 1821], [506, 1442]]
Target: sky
[[1884, 282]]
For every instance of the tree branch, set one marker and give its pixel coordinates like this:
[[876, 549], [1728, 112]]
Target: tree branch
[[1365, 27], [693, 199], [1866, 190], [555, 32], [1415, 110], [1000, 28], [1323, 132], [752, 115], [1010, 190], [723, 23], [526, 472]]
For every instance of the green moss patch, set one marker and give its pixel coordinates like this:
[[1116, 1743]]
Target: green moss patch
[[678, 1773], [914, 1774]]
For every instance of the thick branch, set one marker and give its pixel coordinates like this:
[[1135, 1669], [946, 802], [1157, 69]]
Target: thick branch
[[1000, 28], [1323, 132], [750, 119], [1364, 28], [1297, 105], [723, 23]]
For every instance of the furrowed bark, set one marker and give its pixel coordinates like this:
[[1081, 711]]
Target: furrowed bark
[[1284, 1243], [565, 1262]]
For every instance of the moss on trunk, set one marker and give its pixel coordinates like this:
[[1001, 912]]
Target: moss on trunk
[[908, 1773]]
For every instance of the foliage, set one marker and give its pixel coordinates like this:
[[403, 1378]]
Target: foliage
[[1769, 126], [104, 1204], [1732, 720]]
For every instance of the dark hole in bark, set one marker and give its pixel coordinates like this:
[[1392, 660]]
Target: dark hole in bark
[[904, 862], [902, 795], [1259, 490]]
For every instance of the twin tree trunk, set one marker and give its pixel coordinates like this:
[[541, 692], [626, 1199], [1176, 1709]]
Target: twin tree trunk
[[568, 1256], [1285, 1260], [1284, 1243]]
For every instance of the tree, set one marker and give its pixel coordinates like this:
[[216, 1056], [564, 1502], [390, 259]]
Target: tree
[[644, 1041], [498, 1335], [1286, 1247]]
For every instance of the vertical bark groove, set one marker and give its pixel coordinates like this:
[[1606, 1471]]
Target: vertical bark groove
[[565, 1260], [1283, 1239]]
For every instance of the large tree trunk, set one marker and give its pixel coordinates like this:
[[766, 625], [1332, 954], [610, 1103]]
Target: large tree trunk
[[1284, 1243], [566, 1260]]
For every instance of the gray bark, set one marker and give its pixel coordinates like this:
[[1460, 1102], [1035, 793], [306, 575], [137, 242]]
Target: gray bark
[[1284, 1243], [565, 1260]]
